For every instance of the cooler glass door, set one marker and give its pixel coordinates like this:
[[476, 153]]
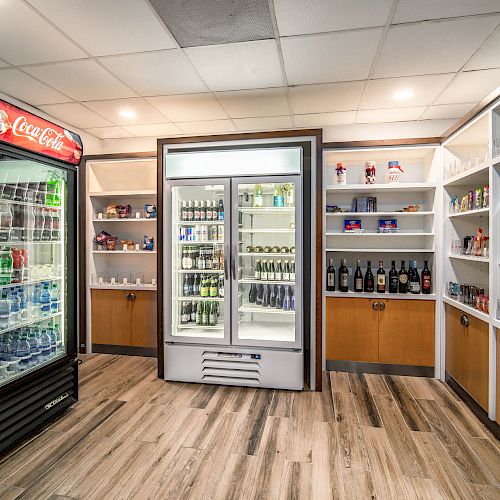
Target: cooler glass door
[[197, 299], [266, 261], [33, 266]]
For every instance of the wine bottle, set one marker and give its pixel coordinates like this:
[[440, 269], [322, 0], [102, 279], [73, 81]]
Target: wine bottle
[[185, 288], [369, 284], [343, 276], [184, 313], [258, 270], [263, 271], [260, 294], [393, 278], [403, 278], [212, 314], [271, 271], [220, 212], [330, 277], [414, 279], [221, 286], [272, 296], [252, 295], [358, 278], [278, 274], [199, 312], [196, 211], [265, 296], [381, 277], [426, 279], [292, 270], [286, 271]]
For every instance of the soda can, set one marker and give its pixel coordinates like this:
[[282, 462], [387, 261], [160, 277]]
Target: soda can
[[182, 235]]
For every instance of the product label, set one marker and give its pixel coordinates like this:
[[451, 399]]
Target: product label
[[403, 278], [257, 275], [380, 280], [344, 279], [358, 284], [331, 279], [263, 276], [292, 276], [414, 287], [426, 284]]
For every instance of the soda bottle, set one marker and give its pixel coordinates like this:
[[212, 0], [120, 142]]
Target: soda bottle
[[47, 225], [286, 299], [17, 265], [57, 193], [4, 311], [24, 254], [204, 313], [32, 190], [56, 225], [45, 300], [41, 194], [55, 299], [39, 222], [212, 314], [51, 189], [6, 219], [199, 313], [5, 268]]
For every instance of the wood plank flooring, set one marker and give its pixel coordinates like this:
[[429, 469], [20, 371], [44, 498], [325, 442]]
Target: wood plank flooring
[[365, 436]]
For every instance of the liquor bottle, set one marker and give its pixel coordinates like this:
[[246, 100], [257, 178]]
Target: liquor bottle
[[199, 312], [215, 211], [330, 277], [221, 286], [196, 211], [214, 289], [292, 270], [381, 277], [265, 296], [271, 271], [393, 278], [369, 285], [403, 278], [278, 273], [212, 314], [286, 271], [290, 195], [343, 276], [204, 313], [258, 270], [185, 288], [204, 289], [414, 278], [252, 295], [426, 279], [263, 272], [184, 211], [272, 296], [358, 278], [208, 215], [220, 212], [278, 200], [215, 260], [258, 196], [260, 294], [203, 211], [190, 211]]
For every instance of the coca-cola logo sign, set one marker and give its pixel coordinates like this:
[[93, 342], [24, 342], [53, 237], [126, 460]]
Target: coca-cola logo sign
[[25, 130]]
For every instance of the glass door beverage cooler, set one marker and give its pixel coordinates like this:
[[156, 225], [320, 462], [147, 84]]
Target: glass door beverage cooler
[[38, 371], [236, 250]]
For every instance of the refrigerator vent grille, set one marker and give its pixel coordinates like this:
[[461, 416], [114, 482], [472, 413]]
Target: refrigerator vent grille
[[241, 371]]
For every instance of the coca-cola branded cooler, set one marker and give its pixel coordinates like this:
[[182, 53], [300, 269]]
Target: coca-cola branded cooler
[[38, 332]]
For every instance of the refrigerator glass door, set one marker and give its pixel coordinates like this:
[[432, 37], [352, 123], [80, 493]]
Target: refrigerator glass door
[[33, 266], [266, 261], [197, 299]]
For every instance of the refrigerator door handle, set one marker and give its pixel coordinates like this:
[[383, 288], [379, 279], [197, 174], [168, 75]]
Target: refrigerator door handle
[[233, 260], [226, 261]]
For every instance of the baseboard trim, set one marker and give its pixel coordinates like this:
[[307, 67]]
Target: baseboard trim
[[124, 350], [478, 410], [379, 368]]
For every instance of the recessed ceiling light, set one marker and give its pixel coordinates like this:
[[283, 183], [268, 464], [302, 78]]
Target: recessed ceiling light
[[403, 94], [127, 113]]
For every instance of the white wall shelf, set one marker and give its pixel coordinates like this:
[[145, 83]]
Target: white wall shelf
[[121, 286], [368, 233], [381, 250], [468, 309], [471, 258], [369, 188], [379, 214], [481, 212], [474, 175], [144, 193], [124, 252], [374, 295], [130, 219]]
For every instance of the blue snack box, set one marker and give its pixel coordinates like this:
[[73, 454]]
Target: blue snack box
[[387, 225], [351, 225]]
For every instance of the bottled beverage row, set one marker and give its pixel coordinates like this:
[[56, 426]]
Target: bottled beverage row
[[477, 246], [402, 281], [29, 347], [269, 249], [283, 195], [40, 192], [202, 258], [268, 271], [200, 313], [29, 223], [201, 211], [470, 295], [202, 232], [21, 304], [277, 296], [203, 285]]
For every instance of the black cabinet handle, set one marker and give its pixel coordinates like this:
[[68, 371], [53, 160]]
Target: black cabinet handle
[[131, 296], [464, 320]]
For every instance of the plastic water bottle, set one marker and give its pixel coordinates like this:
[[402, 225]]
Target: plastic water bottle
[[54, 299], [23, 352], [34, 346], [15, 313], [35, 301], [45, 300], [58, 334], [44, 343], [5, 348], [4, 311], [53, 340], [23, 306]]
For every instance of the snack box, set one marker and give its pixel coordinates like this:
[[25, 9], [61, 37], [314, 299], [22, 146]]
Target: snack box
[[387, 225], [352, 225]]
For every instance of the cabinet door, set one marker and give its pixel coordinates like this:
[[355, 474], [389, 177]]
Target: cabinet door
[[144, 319], [351, 329], [455, 344], [476, 368], [406, 332], [497, 331], [111, 317]]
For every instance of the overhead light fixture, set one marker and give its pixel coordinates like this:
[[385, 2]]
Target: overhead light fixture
[[403, 95], [127, 113]]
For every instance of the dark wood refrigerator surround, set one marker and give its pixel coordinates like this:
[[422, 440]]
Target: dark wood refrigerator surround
[[317, 281]]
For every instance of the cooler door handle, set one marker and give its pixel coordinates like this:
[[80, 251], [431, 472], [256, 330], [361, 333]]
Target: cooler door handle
[[226, 261], [233, 260]]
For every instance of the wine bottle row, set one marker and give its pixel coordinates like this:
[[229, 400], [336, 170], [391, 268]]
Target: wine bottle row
[[200, 313], [277, 296], [402, 281], [268, 271], [199, 211]]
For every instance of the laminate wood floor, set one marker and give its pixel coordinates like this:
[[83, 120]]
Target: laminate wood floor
[[364, 436]]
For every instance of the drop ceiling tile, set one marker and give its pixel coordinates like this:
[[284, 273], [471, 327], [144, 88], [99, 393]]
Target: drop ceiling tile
[[109, 132], [238, 66], [143, 111], [298, 17], [488, 56], [156, 73], [26, 38], [154, 130], [389, 115], [190, 107], [264, 123], [207, 127], [442, 111], [324, 119], [471, 86], [379, 93], [76, 114], [432, 47], [82, 80], [104, 27], [410, 10], [24, 87], [251, 103], [328, 97], [330, 57]]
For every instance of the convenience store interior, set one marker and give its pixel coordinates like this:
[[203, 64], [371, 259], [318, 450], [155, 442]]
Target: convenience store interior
[[288, 256]]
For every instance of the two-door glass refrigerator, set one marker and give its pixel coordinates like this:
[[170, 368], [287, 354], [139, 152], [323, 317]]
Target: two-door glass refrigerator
[[236, 261], [38, 369]]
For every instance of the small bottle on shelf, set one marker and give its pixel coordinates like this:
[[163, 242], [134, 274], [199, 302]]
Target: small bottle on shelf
[[393, 278], [263, 272], [343, 276], [292, 270], [426, 279], [208, 211], [220, 211], [358, 277], [271, 271], [381, 277], [369, 284], [252, 294], [184, 211], [330, 277], [403, 278], [414, 278], [196, 211], [278, 274], [258, 270], [203, 211], [190, 211], [286, 271]]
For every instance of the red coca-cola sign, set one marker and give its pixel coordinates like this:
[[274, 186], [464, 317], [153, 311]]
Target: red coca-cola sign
[[25, 130]]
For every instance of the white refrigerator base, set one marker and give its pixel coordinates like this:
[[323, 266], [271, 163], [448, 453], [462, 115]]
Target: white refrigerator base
[[234, 365]]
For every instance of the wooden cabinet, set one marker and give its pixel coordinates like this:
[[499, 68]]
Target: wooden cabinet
[[392, 331], [467, 347], [124, 318], [498, 375]]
